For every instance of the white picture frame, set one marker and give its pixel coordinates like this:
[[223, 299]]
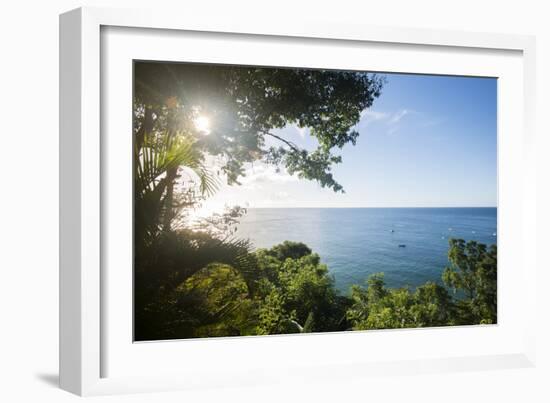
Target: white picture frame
[[93, 349]]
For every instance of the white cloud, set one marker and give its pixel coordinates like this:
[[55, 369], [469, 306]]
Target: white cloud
[[259, 174], [370, 115], [394, 121], [393, 129], [280, 195], [396, 117], [391, 120], [302, 131]]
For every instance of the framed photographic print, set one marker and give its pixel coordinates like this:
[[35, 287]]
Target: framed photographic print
[[242, 225], [241, 199]]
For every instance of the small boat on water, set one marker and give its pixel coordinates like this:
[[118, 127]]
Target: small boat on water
[[392, 230], [494, 234], [401, 245]]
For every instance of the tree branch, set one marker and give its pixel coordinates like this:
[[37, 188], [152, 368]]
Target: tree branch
[[288, 143]]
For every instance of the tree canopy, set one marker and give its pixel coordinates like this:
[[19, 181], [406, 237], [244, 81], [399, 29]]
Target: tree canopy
[[245, 104], [286, 289], [473, 271]]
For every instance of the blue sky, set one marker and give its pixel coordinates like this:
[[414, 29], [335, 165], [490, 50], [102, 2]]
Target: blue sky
[[428, 141]]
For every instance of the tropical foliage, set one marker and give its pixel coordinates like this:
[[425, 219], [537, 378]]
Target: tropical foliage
[[196, 279], [292, 292]]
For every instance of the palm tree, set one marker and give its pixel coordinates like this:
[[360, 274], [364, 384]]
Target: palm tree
[[156, 157], [165, 254]]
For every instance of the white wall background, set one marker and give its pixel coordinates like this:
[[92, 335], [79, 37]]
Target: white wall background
[[29, 200]]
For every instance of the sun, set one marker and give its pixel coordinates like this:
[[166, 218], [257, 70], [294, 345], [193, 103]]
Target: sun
[[202, 124]]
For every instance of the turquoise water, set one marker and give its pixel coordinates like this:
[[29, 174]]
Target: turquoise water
[[356, 242]]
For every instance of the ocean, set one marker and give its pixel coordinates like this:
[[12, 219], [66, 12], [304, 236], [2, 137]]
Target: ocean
[[357, 242]]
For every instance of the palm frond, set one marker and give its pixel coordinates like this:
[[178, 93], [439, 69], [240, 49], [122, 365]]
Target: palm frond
[[156, 156]]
